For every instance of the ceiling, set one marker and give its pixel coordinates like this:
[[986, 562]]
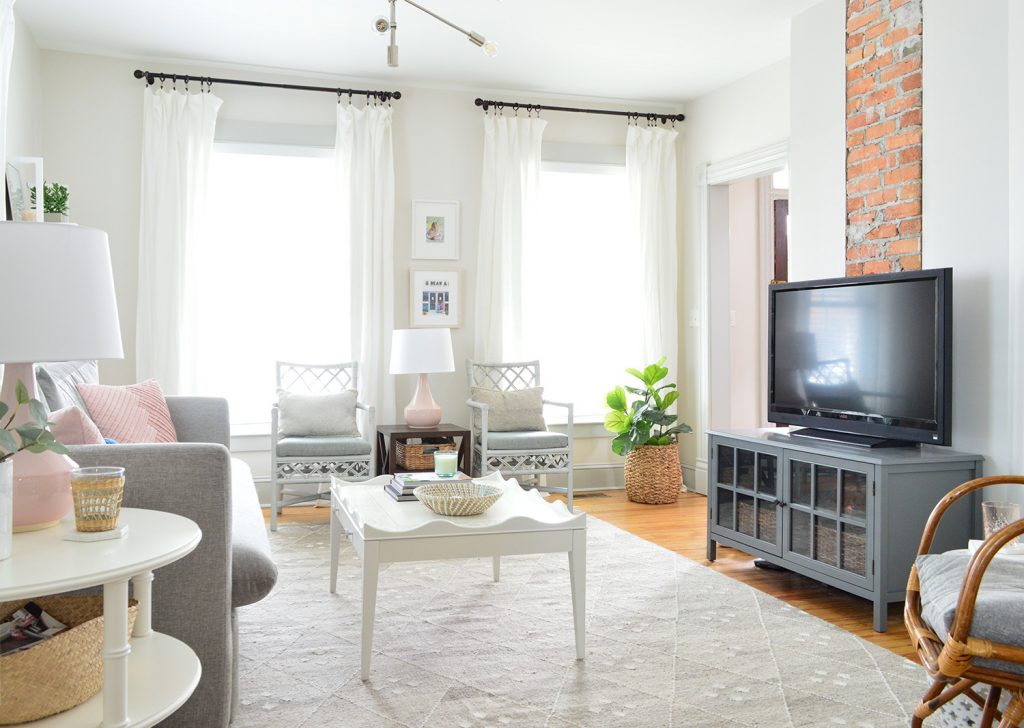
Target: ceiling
[[655, 50]]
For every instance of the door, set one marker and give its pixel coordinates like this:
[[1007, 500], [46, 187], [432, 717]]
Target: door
[[828, 516], [744, 492]]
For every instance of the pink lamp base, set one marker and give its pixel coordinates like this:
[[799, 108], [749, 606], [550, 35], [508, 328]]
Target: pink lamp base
[[422, 410]]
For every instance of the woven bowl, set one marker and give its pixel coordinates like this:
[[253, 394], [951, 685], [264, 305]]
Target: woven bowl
[[458, 499]]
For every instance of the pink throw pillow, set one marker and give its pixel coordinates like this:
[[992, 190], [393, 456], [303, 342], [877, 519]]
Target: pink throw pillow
[[71, 426], [132, 413]]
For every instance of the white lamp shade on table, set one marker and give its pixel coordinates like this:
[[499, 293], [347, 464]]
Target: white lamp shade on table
[[422, 352], [57, 294]]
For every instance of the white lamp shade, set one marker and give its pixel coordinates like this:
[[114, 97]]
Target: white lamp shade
[[57, 294], [421, 351]]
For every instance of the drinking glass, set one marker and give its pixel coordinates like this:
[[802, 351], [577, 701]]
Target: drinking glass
[[996, 516]]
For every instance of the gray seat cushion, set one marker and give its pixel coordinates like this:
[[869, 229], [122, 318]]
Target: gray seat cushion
[[300, 447], [532, 440], [999, 611], [253, 571]]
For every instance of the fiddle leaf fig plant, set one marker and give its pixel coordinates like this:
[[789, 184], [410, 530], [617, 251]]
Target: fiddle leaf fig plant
[[34, 435], [644, 420]]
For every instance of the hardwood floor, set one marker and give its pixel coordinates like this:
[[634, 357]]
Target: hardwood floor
[[682, 527]]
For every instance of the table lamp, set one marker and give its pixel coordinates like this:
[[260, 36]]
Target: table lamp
[[57, 294], [423, 352]]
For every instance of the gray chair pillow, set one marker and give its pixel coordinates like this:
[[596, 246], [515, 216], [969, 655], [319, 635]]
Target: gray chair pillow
[[518, 410], [58, 382], [317, 415]]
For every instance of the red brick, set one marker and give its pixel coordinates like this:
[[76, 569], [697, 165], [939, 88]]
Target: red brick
[[892, 160], [910, 225], [866, 167], [910, 191], [901, 69], [854, 139], [910, 118], [854, 105], [881, 197], [855, 72], [861, 153], [904, 246], [910, 154], [878, 62], [893, 4], [878, 29], [902, 210], [856, 121], [877, 266], [882, 231], [854, 40], [861, 218], [910, 262], [854, 269], [898, 34], [905, 173], [911, 82], [877, 131], [857, 21], [903, 139], [860, 86], [881, 95], [862, 252], [864, 184], [902, 103]]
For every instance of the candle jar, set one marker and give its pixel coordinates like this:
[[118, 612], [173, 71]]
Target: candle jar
[[446, 464]]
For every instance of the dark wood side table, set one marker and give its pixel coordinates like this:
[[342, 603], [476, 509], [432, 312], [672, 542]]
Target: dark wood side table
[[389, 435]]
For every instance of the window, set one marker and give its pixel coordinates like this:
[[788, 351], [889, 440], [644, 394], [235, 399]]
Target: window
[[581, 274], [272, 276]]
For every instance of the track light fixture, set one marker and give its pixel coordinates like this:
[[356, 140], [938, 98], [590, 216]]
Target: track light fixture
[[383, 25]]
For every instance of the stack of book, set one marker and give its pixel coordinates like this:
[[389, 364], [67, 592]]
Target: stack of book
[[402, 485]]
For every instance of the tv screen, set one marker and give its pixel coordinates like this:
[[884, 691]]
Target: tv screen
[[865, 355]]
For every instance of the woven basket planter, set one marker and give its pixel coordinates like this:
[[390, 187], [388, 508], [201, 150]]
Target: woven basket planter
[[62, 672], [653, 474]]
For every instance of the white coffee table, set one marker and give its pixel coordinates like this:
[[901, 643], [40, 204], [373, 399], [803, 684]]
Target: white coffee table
[[383, 530]]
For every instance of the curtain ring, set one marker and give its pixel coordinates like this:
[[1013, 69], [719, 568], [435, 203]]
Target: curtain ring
[[162, 79]]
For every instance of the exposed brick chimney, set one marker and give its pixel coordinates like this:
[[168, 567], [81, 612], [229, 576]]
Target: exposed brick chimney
[[883, 136]]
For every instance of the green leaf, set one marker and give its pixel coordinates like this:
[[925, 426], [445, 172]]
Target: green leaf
[[29, 433], [622, 445], [636, 373], [616, 399], [617, 422], [3, 409], [678, 430], [7, 441], [36, 448], [57, 447], [37, 412], [658, 417], [21, 392], [636, 390], [669, 400], [663, 440]]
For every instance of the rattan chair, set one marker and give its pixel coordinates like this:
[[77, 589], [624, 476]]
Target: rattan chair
[[517, 454], [960, 659], [313, 460]]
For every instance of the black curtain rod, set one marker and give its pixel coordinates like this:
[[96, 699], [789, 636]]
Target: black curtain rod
[[153, 76], [515, 106]]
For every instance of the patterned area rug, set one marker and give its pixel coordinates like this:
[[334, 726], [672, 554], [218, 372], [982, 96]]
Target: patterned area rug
[[669, 643]]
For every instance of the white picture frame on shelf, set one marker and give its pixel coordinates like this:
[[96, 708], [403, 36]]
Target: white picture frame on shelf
[[435, 230], [434, 297]]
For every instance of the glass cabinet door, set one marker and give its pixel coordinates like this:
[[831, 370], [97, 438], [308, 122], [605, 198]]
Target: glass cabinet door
[[827, 517], [745, 494]]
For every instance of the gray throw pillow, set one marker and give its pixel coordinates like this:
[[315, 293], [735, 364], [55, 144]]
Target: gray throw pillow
[[58, 382], [317, 415], [519, 410]]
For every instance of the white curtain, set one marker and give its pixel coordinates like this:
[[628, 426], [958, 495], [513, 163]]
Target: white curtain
[[366, 174], [6, 56], [177, 142], [651, 169], [508, 213]]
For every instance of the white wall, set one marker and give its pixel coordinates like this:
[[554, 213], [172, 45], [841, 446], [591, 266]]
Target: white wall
[[747, 115], [1015, 112], [24, 95], [92, 122], [745, 294], [817, 144], [966, 208]]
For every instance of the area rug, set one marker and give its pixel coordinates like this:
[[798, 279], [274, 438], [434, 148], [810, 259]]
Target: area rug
[[669, 643]]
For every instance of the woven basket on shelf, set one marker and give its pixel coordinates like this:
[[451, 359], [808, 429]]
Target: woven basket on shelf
[[653, 474], [420, 456], [62, 672]]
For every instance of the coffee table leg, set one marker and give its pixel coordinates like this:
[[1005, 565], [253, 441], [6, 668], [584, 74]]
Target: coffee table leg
[[578, 583], [371, 565], [335, 545], [497, 567]]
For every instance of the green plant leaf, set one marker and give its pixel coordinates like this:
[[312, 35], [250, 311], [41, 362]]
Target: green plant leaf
[[37, 447], [4, 409], [21, 392], [662, 440], [669, 400], [57, 447], [622, 445], [37, 412], [616, 399], [678, 430], [7, 441], [658, 417], [635, 390], [617, 422], [636, 373]]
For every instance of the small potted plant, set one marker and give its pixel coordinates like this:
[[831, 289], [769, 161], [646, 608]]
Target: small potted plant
[[647, 435], [55, 202], [29, 433]]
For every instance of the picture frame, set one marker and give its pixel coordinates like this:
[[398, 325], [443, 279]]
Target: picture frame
[[434, 298], [435, 230], [21, 175]]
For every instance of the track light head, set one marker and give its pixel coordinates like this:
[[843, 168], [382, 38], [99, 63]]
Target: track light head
[[381, 24]]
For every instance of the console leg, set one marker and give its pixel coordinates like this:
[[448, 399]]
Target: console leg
[[712, 549], [881, 615]]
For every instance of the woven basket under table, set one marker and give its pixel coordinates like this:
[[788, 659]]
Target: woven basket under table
[[420, 456], [62, 672], [653, 474]]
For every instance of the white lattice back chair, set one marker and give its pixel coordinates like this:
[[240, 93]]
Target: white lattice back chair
[[518, 453], [313, 460]]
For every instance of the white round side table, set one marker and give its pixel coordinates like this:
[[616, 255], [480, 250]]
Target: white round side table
[[147, 677]]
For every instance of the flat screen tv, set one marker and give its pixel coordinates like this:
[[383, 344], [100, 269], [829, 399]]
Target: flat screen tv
[[863, 360]]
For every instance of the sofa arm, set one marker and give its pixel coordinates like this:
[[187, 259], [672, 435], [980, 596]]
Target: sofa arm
[[192, 596], [201, 419]]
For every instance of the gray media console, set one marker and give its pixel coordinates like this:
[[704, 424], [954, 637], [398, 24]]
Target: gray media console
[[847, 516]]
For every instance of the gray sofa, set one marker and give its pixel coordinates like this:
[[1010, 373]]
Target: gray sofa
[[194, 599]]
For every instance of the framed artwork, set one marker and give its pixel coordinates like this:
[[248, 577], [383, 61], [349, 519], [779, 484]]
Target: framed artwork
[[434, 298], [435, 230], [23, 175]]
